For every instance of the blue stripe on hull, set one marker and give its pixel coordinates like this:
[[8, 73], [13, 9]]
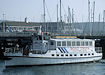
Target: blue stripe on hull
[[60, 50], [65, 50]]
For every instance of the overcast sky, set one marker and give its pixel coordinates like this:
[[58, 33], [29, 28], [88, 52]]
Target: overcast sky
[[17, 10]]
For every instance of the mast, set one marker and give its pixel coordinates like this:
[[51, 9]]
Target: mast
[[4, 22], [91, 25], [103, 20], [69, 15], [57, 20], [89, 16], [57, 12], [73, 21], [93, 15], [104, 16], [44, 18], [69, 20], [99, 24], [60, 12], [72, 16], [93, 10], [88, 11]]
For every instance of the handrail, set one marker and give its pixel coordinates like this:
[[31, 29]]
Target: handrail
[[16, 34]]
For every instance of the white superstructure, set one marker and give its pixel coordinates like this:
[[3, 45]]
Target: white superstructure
[[55, 51]]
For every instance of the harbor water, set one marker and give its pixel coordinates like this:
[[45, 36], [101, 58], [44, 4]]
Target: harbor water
[[96, 68]]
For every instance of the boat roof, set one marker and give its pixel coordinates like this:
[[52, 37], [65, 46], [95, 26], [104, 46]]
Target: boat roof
[[71, 39]]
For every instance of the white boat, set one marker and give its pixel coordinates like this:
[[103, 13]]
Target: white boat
[[54, 51]]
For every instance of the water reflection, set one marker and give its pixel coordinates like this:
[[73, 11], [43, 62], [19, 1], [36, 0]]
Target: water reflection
[[66, 69]]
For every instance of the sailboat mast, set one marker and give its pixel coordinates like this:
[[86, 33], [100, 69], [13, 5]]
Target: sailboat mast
[[69, 20], [60, 12], [69, 15], [44, 15], [88, 11], [57, 12], [93, 10]]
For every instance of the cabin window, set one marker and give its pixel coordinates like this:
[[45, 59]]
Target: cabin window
[[89, 54], [58, 43], [62, 55], [82, 43], [66, 54], [92, 53], [73, 43], [70, 54], [57, 54], [68, 43], [63, 43], [85, 54], [90, 43], [86, 43], [75, 54], [52, 54], [51, 43], [78, 43], [81, 54]]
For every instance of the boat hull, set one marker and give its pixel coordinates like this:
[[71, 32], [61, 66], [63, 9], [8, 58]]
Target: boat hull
[[26, 61]]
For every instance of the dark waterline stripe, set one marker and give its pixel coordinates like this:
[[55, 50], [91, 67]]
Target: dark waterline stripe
[[55, 57]]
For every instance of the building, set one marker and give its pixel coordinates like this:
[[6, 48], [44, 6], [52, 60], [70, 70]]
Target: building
[[60, 28]]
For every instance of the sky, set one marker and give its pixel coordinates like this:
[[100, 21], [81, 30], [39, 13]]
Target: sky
[[17, 10]]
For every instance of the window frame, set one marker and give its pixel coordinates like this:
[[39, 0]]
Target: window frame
[[90, 43], [78, 43], [73, 43], [64, 43], [69, 43], [82, 43], [59, 43]]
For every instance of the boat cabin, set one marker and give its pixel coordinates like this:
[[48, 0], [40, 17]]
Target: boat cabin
[[71, 45]]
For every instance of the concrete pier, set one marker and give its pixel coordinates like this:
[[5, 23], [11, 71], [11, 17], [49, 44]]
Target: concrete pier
[[10, 40]]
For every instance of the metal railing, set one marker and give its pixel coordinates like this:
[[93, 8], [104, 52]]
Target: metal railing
[[15, 34]]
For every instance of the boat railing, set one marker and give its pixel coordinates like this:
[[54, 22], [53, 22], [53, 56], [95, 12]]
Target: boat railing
[[98, 49], [13, 50], [15, 34]]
